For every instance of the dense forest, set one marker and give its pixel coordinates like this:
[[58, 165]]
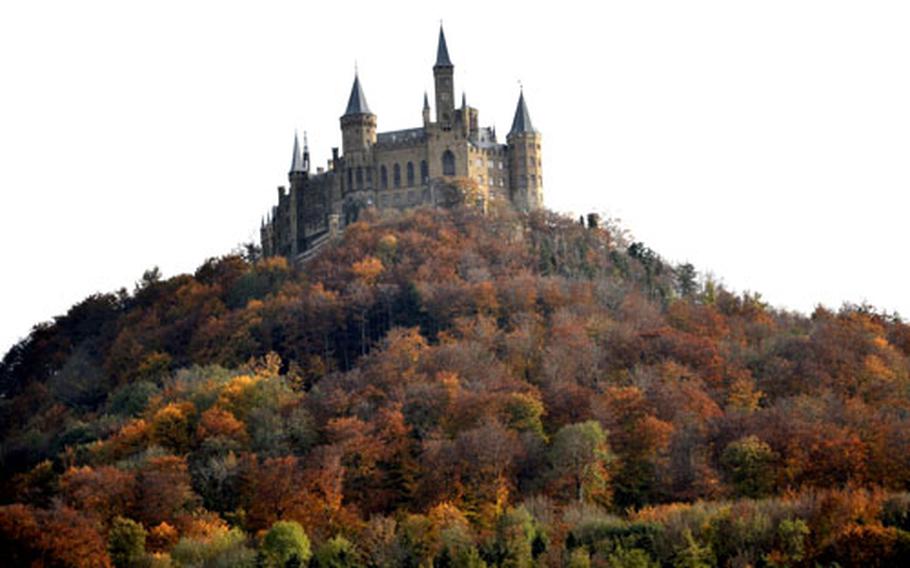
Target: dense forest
[[445, 388]]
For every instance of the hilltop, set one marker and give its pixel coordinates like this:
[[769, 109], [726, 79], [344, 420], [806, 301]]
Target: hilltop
[[441, 387]]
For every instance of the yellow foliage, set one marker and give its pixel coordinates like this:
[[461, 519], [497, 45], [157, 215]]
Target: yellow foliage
[[235, 396], [875, 367], [170, 426], [445, 515]]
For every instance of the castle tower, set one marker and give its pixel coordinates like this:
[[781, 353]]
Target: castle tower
[[358, 124], [297, 177], [443, 73], [358, 135], [526, 184]]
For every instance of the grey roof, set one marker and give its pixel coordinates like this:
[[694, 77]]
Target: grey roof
[[357, 103], [297, 158], [442, 51], [522, 121], [409, 134], [486, 138]]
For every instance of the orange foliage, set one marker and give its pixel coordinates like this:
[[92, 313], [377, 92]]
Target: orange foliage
[[218, 422], [105, 492]]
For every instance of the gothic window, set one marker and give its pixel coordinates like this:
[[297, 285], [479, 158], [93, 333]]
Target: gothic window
[[359, 177], [396, 175], [383, 177], [410, 174], [448, 163], [424, 172], [350, 178], [369, 177]]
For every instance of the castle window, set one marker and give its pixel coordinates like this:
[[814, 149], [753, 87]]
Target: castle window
[[410, 174], [370, 177], [350, 178], [424, 172], [383, 177], [448, 163], [396, 175], [359, 177]]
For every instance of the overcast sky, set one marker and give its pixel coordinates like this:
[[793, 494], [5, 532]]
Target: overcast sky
[[767, 142]]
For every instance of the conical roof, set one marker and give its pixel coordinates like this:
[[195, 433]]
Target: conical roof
[[357, 102], [442, 51], [522, 121], [296, 158]]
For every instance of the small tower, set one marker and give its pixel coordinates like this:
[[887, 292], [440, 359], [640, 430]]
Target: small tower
[[443, 73], [358, 124], [426, 110], [297, 177], [526, 184], [299, 161]]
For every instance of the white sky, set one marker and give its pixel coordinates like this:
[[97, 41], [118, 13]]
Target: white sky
[[767, 142]]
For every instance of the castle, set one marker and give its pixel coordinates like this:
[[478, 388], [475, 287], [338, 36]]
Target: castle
[[403, 168]]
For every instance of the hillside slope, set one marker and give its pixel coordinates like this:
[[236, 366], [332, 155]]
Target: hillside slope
[[441, 386]]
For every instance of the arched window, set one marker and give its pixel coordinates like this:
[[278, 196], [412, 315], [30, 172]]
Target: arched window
[[396, 175], [350, 178], [410, 174], [359, 177], [424, 172], [369, 176], [448, 163], [383, 177]]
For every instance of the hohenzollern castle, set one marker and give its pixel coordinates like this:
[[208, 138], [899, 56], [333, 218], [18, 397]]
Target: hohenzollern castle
[[404, 168]]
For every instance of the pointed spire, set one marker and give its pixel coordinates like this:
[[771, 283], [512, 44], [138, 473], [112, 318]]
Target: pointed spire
[[464, 100], [357, 102], [306, 153], [426, 101], [442, 51], [522, 121], [296, 159]]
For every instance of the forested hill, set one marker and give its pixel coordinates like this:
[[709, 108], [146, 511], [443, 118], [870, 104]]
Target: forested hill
[[443, 388]]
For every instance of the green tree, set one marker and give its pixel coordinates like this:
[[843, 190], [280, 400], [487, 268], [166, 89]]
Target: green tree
[[686, 284], [749, 463], [126, 542], [518, 539], [579, 457], [285, 545], [694, 555], [630, 558], [791, 549], [337, 552]]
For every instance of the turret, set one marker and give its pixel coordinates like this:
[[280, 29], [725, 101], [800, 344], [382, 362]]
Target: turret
[[526, 184], [443, 73], [299, 161], [358, 124], [426, 110]]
